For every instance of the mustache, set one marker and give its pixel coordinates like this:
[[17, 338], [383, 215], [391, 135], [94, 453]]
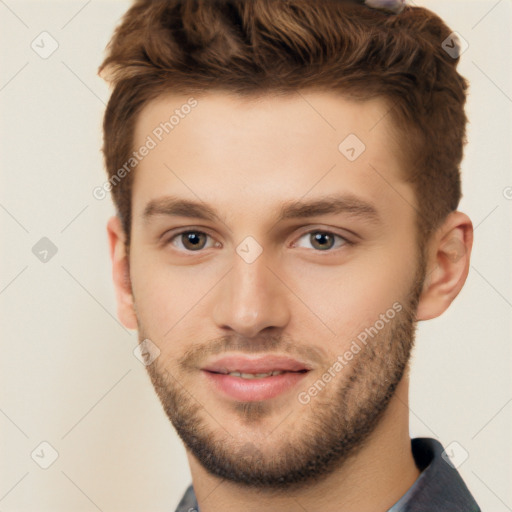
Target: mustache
[[197, 354]]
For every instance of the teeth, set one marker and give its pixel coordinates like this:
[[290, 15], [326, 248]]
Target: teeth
[[255, 375]]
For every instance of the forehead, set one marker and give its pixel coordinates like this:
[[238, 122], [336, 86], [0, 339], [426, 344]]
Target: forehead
[[302, 113], [214, 145]]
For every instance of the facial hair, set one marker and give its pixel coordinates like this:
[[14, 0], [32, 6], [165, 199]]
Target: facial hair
[[332, 427]]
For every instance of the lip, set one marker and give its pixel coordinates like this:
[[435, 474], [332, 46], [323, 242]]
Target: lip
[[258, 389], [254, 390], [261, 364]]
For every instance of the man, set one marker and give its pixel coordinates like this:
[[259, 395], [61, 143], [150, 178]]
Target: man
[[286, 177]]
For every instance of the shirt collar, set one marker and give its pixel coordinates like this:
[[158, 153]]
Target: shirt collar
[[439, 486]]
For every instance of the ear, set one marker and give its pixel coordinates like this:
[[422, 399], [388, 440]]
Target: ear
[[447, 265], [121, 273]]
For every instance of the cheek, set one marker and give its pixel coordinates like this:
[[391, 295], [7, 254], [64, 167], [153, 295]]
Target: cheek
[[168, 299], [351, 297]]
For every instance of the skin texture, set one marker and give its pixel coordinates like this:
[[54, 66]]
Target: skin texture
[[349, 446]]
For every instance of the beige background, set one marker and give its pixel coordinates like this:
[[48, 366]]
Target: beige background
[[68, 374]]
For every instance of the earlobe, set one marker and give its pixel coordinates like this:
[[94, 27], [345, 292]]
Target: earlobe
[[121, 274], [447, 266]]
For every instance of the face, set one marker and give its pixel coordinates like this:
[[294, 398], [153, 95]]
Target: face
[[273, 263]]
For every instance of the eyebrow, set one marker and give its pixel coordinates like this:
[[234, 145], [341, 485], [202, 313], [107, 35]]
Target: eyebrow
[[296, 209]]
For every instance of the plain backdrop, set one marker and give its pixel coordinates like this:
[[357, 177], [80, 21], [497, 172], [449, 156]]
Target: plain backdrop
[[68, 374]]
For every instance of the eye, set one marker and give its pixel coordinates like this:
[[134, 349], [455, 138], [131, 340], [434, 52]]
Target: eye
[[195, 241], [322, 240], [191, 241]]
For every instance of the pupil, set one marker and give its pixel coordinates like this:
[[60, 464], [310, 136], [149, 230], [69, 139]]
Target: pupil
[[322, 238], [194, 239]]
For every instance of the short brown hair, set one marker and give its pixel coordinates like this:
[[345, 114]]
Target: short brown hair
[[278, 46]]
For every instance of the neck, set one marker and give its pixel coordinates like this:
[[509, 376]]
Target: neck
[[373, 479]]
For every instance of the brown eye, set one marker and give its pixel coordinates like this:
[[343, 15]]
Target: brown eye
[[322, 240], [190, 240], [193, 240]]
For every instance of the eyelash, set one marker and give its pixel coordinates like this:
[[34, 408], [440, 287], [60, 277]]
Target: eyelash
[[345, 241]]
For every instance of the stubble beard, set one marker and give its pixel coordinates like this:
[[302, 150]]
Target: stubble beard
[[332, 427]]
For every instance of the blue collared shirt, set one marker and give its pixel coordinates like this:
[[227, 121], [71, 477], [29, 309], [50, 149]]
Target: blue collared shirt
[[439, 488]]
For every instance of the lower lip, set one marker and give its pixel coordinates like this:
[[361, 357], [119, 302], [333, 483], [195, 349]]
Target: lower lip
[[252, 390]]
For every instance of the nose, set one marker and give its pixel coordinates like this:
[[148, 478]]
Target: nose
[[251, 298]]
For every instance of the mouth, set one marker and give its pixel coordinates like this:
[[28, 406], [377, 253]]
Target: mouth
[[244, 375], [258, 366], [254, 379]]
